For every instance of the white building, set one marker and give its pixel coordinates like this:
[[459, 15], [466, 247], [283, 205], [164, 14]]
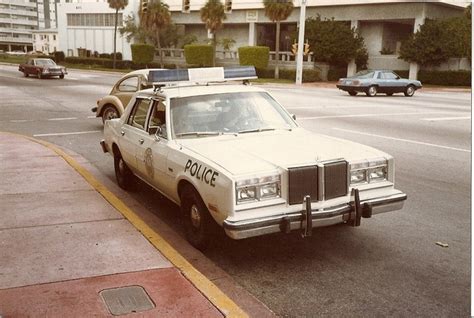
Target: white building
[[45, 41], [90, 25]]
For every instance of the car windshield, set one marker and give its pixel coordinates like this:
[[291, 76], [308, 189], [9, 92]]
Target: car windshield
[[364, 74], [46, 62], [234, 113]]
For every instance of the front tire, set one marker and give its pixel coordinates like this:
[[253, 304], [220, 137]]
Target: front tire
[[199, 225], [123, 174], [372, 91], [109, 112], [409, 91], [25, 74], [352, 93], [61, 76], [39, 75]]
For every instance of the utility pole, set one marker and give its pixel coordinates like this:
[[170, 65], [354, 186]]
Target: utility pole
[[299, 56]]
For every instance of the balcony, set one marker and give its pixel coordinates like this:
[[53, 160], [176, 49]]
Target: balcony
[[12, 40]]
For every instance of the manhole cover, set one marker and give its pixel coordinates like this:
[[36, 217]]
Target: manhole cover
[[126, 300]]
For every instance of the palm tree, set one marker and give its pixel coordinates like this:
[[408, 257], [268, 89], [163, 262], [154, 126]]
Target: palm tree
[[278, 10], [117, 5], [154, 20], [213, 15]]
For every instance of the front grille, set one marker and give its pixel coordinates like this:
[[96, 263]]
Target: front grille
[[335, 179], [302, 181]]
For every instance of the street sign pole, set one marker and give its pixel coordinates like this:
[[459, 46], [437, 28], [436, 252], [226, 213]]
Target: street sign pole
[[299, 56]]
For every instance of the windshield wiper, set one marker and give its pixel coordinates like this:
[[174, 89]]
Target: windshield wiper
[[262, 129], [202, 133]]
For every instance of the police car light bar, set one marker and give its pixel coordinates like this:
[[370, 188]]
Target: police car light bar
[[201, 75]]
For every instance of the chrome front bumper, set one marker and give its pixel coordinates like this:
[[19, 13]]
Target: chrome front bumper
[[346, 213]]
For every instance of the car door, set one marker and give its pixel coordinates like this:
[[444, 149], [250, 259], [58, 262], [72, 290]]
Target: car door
[[126, 88], [152, 156], [393, 82], [133, 132]]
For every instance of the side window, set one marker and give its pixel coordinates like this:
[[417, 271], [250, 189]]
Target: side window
[[158, 119], [129, 85], [31, 62], [390, 75], [138, 116], [380, 76]]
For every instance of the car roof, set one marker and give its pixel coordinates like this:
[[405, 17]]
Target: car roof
[[199, 90], [144, 71]]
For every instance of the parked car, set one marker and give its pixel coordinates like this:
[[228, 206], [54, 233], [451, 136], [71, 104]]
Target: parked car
[[372, 82], [114, 104], [42, 67], [230, 155]]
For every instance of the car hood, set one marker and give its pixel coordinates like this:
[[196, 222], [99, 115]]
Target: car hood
[[265, 151]]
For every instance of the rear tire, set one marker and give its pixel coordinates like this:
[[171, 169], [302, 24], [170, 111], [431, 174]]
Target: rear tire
[[409, 91], [123, 174], [109, 112], [199, 225], [372, 91], [352, 93], [61, 76], [25, 74], [39, 75], [389, 94]]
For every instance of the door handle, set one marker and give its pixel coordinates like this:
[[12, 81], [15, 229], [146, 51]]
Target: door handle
[[122, 132], [141, 141]]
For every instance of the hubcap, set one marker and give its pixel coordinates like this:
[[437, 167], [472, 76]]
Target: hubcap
[[372, 91], [410, 90], [195, 216], [110, 114]]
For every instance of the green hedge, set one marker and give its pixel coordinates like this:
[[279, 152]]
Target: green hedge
[[198, 54], [334, 74], [142, 53], [447, 78], [308, 75], [59, 56], [254, 55], [107, 63]]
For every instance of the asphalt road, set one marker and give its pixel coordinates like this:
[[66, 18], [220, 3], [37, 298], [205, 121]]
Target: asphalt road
[[389, 266]]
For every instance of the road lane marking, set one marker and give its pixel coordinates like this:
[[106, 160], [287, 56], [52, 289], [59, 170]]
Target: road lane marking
[[217, 297], [91, 117], [64, 118], [446, 118], [403, 140], [21, 120], [369, 115], [69, 133]]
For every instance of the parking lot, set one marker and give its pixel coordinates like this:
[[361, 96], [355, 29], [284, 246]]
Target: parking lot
[[390, 265]]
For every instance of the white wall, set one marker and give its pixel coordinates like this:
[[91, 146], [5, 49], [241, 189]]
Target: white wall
[[92, 38]]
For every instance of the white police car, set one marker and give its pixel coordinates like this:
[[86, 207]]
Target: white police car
[[230, 155]]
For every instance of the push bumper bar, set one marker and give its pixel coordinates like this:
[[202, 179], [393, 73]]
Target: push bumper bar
[[350, 213]]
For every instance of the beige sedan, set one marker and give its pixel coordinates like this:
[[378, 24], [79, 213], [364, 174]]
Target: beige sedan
[[114, 104]]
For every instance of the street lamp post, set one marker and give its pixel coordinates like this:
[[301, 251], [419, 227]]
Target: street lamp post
[[299, 55]]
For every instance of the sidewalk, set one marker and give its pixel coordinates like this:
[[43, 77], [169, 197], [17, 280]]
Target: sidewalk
[[65, 251]]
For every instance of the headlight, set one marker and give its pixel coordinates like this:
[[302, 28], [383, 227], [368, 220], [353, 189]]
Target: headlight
[[369, 171], [257, 189]]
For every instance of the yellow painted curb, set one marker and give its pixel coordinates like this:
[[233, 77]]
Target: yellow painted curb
[[201, 282]]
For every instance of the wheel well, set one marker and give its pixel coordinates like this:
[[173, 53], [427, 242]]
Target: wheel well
[[182, 184], [116, 150]]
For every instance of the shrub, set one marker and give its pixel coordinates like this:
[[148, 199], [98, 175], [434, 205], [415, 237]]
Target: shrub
[[335, 74], [118, 56], [59, 56], [104, 55], [101, 62], [308, 75], [198, 54], [142, 53], [254, 55], [448, 78]]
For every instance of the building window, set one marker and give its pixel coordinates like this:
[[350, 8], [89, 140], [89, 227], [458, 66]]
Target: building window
[[54, 37], [93, 19]]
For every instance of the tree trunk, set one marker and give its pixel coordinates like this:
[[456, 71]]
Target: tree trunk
[[115, 36], [159, 50], [277, 50], [214, 48]]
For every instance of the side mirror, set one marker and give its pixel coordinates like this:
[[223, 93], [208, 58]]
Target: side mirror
[[293, 116]]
